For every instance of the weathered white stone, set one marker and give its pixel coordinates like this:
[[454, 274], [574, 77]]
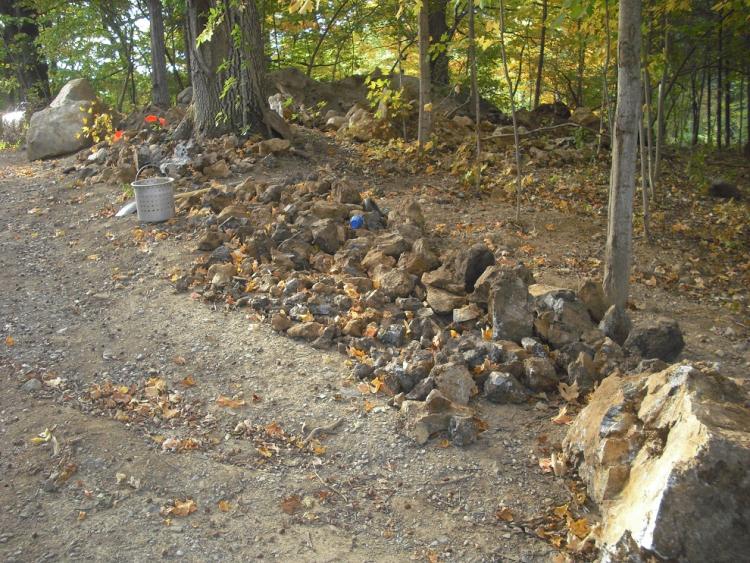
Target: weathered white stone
[[666, 455]]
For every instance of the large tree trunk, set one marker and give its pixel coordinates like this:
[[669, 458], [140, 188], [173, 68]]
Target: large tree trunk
[[540, 64], [22, 55], [661, 125], [159, 87], [438, 26], [475, 99], [727, 109], [229, 71], [425, 83], [624, 150], [719, 87]]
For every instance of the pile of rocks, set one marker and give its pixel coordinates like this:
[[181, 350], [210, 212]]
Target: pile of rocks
[[434, 330]]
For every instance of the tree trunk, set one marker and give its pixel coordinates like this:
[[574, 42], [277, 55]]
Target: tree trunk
[[509, 83], [727, 109], [22, 56], [540, 64], [624, 150], [475, 98], [159, 87], [719, 88], [709, 108], [229, 71], [438, 26], [425, 85], [661, 128]]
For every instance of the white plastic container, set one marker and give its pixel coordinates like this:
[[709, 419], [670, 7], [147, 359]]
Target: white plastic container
[[154, 199]]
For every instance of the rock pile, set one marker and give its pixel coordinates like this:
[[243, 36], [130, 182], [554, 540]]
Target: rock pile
[[432, 329]]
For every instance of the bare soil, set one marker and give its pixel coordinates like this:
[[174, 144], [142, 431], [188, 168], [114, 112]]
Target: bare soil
[[87, 299]]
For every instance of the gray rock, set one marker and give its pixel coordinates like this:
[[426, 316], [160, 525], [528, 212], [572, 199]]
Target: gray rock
[[462, 430], [272, 194], [31, 385], [56, 130], [393, 334], [326, 235], [467, 313], [343, 192], [510, 308], [502, 388], [661, 338], [419, 259], [540, 374], [454, 381], [471, 264], [443, 302], [397, 283], [616, 324]]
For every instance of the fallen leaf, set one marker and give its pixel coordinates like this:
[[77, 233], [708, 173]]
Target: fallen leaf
[[563, 417], [179, 360], [81, 516], [223, 401], [579, 527], [291, 504], [183, 508], [504, 514], [368, 405], [188, 381], [274, 430], [10, 341], [568, 392], [224, 505], [545, 464]]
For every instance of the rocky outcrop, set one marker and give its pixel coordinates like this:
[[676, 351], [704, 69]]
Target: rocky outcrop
[[56, 130], [666, 457]]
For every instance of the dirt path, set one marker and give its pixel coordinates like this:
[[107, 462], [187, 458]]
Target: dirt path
[[86, 300]]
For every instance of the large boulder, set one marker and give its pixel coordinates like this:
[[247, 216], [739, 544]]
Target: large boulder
[[666, 455], [56, 130]]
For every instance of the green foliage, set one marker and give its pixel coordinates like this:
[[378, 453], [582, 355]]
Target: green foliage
[[382, 97]]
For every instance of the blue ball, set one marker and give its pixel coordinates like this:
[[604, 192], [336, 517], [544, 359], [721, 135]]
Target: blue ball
[[357, 222]]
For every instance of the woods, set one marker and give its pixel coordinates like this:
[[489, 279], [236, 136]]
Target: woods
[[341, 280]]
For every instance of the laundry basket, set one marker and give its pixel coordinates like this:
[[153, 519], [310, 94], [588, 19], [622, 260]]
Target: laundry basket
[[154, 198]]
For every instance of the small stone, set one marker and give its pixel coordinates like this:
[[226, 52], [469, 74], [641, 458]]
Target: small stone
[[467, 313], [32, 385], [455, 382], [280, 323], [210, 241], [396, 283], [462, 430], [540, 374], [504, 388], [307, 331], [272, 146], [219, 169], [443, 302], [592, 295]]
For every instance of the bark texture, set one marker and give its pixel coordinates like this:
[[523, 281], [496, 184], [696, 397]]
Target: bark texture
[[425, 82], [624, 153], [229, 71], [159, 86]]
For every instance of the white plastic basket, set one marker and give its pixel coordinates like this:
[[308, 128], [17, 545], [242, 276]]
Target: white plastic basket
[[154, 199]]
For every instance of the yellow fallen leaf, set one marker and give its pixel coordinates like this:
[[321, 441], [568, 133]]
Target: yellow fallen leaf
[[504, 514], [179, 360], [183, 508], [274, 430], [81, 516], [579, 527], [568, 392], [10, 341], [188, 381], [562, 417], [224, 505], [368, 405], [223, 401]]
